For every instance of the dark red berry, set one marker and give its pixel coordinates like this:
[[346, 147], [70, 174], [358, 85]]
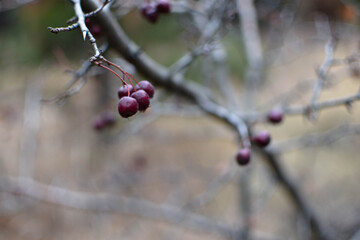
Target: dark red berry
[[148, 10], [142, 99], [93, 27], [163, 6], [147, 87], [243, 156], [98, 123], [109, 118], [123, 91], [262, 139], [275, 116], [127, 107]]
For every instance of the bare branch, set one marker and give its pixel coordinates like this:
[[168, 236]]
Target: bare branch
[[317, 139], [112, 203], [253, 49], [322, 72], [80, 23], [79, 79], [90, 14], [318, 230]]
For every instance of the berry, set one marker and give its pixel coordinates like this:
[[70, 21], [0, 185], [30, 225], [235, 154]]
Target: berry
[[275, 116], [109, 118], [127, 107], [243, 156], [123, 91], [142, 99], [262, 139], [163, 6], [147, 87], [149, 12], [98, 123], [93, 27]]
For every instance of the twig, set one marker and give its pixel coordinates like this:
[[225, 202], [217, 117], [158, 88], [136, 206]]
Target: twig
[[214, 187], [80, 23], [317, 139], [79, 79], [90, 14], [322, 72], [253, 117]]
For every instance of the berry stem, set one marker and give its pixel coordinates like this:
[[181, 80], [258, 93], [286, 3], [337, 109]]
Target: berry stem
[[128, 75], [109, 69]]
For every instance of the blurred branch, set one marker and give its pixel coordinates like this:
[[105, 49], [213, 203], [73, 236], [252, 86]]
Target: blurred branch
[[79, 79], [30, 128], [317, 139], [322, 72], [253, 77], [253, 49], [306, 109], [317, 229], [214, 187], [159, 75], [11, 4], [111, 203]]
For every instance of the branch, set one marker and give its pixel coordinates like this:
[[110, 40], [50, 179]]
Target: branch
[[322, 72], [317, 139], [90, 14], [80, 23], [159, 75], [253, 117], [79, 79], [111, 203], [253, 49], [319, 232]]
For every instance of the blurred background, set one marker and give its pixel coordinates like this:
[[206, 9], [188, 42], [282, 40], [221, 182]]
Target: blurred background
[[172, 153]]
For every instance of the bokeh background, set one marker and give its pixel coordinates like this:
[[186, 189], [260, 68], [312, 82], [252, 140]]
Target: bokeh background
[[171, 153]]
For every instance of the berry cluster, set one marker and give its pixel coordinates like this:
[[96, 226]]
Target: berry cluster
[[151, 11], [104, 120], [261, 139], [134, 99]]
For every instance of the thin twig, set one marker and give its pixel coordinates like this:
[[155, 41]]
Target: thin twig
[[322, 73], [316, 139], [90, 14], [77, 82]]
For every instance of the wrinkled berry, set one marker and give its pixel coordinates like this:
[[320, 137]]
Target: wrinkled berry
[[163, 6], [123, 91], [147, 87], [243, 156], [142, 99], [275, 116], [262, 139], [127, 107]]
